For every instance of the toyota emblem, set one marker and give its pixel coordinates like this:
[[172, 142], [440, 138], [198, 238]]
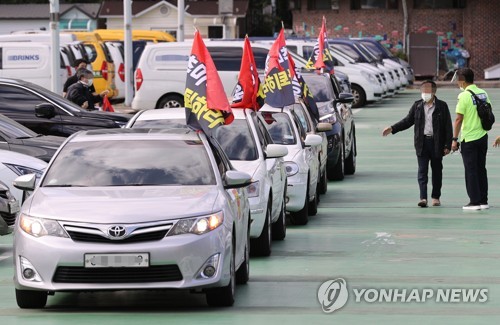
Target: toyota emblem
[[116, 232]]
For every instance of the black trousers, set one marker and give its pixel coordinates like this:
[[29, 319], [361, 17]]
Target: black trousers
[[476, 177], [429, 155]]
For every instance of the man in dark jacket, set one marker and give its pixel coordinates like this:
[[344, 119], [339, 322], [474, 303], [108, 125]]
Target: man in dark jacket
[[433, 136], [79, 64], [80, 93]]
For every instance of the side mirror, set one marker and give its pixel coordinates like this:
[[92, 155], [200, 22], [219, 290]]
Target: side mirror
[[323, 127], [45, 110], [313, 140], [236, 179], [345, 98], [276, 151], [25, 182]]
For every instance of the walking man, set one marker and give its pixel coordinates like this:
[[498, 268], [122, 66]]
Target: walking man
[[473, 139], [433, 132]]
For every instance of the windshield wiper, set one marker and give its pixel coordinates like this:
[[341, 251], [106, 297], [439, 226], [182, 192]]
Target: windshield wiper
[[22, 138], [64, 185]]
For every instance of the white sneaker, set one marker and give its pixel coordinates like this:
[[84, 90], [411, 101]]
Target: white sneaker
[[485, 206], [471, 207]]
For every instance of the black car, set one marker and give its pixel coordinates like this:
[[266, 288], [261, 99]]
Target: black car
[[16, 137], [47, 113], [335, 107], [9, 208]]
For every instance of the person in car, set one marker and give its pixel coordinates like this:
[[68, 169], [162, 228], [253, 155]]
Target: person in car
[[80, 92], [433, 136]]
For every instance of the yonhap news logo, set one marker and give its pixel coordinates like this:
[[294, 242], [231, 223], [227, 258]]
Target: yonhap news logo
[[333, 295]]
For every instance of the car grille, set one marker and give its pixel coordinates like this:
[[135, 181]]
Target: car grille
[[92, 238], [10, 219], [155, 273]]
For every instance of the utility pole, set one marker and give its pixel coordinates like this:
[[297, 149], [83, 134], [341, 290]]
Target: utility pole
[[180, 20], [55, 55], [127, 33], [405, 26]]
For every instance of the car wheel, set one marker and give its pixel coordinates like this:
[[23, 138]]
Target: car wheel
[[301, 217], [224, 296], [279, 227], [31, 299], [350, 162], [336, 172], [323, 184], [243, 273], [170, 101], [359, 96], [261, 246]]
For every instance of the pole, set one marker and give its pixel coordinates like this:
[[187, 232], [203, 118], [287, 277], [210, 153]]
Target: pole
[[405, 26], [55, 85], [180, 18], [129, 74]]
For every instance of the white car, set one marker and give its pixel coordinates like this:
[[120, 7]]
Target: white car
[[250, 149], [13, 164], [302, 163], [133, 209]]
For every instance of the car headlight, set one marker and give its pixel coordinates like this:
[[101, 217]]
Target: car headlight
[[198, 225], [23, 170], [369, 76], [39, 227], [291, 168], [253, 189]]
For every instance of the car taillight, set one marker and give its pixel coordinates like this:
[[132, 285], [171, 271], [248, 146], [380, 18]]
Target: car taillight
[[121, 72], [104, 70], [68, 68], [138, 79]]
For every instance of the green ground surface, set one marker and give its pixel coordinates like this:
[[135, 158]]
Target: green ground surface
[[368, 231]]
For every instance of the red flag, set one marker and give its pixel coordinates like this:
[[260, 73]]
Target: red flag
[[321, 56], [277, 87], [106, 105], [204, 98], [245, 92], [301, 90]]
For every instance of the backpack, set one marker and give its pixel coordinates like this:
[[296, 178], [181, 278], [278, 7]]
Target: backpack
[[485, 112]]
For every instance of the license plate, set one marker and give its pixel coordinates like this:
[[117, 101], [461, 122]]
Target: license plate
[[14, 207], [117, 260]]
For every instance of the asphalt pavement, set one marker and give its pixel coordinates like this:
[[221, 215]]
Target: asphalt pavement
[[368, 232]]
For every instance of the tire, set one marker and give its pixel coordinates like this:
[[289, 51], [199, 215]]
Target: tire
[[323, 184], [170, 101], [301, 217], [336, 172], [350, 162], [243, 273], [31, 299], [279, 227], [224, 296], [359, 96], [313, 205], [261, 246]]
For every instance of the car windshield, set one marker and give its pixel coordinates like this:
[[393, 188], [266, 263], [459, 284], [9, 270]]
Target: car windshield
[[279, 126], [319, 87], [237, 141], [14, 130], [131, 163], [160, 123]]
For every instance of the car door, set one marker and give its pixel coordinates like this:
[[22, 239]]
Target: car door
[[18, 103], [345, 112]]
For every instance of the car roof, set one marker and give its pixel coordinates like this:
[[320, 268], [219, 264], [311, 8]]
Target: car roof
[[183, 134], [15, 158], [162, 113]]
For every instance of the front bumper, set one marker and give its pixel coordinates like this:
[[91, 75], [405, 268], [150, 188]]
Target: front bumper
[[187, 252]]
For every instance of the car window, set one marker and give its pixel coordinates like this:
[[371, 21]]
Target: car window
[[301, 115], [14, 130], [111, 163], [260, 56], [307, 51], [237, 141], [321, 90], [160, 123], [16, 99], [279, 126], [91, 52], [226, 58], [261, 132], [349, 51]]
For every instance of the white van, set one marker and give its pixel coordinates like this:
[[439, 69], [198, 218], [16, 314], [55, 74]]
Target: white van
[[29, 61], [115, 49], [160, 77]]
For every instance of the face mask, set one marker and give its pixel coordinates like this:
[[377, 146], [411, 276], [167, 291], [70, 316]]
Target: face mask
[[90, 82], [426, 97]]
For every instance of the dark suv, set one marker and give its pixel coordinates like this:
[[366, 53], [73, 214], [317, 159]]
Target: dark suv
[[335, 107], [45, 112]]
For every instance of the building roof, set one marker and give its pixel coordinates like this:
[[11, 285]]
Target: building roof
[[42, 11], [194, 8]]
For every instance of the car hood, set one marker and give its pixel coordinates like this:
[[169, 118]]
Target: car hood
[[292, 152], [44, 141], [247, 166], [122, 204]]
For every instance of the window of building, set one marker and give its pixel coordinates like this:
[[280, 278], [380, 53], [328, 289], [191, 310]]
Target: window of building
[[374, 4], [438, 4], [322, 4]]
